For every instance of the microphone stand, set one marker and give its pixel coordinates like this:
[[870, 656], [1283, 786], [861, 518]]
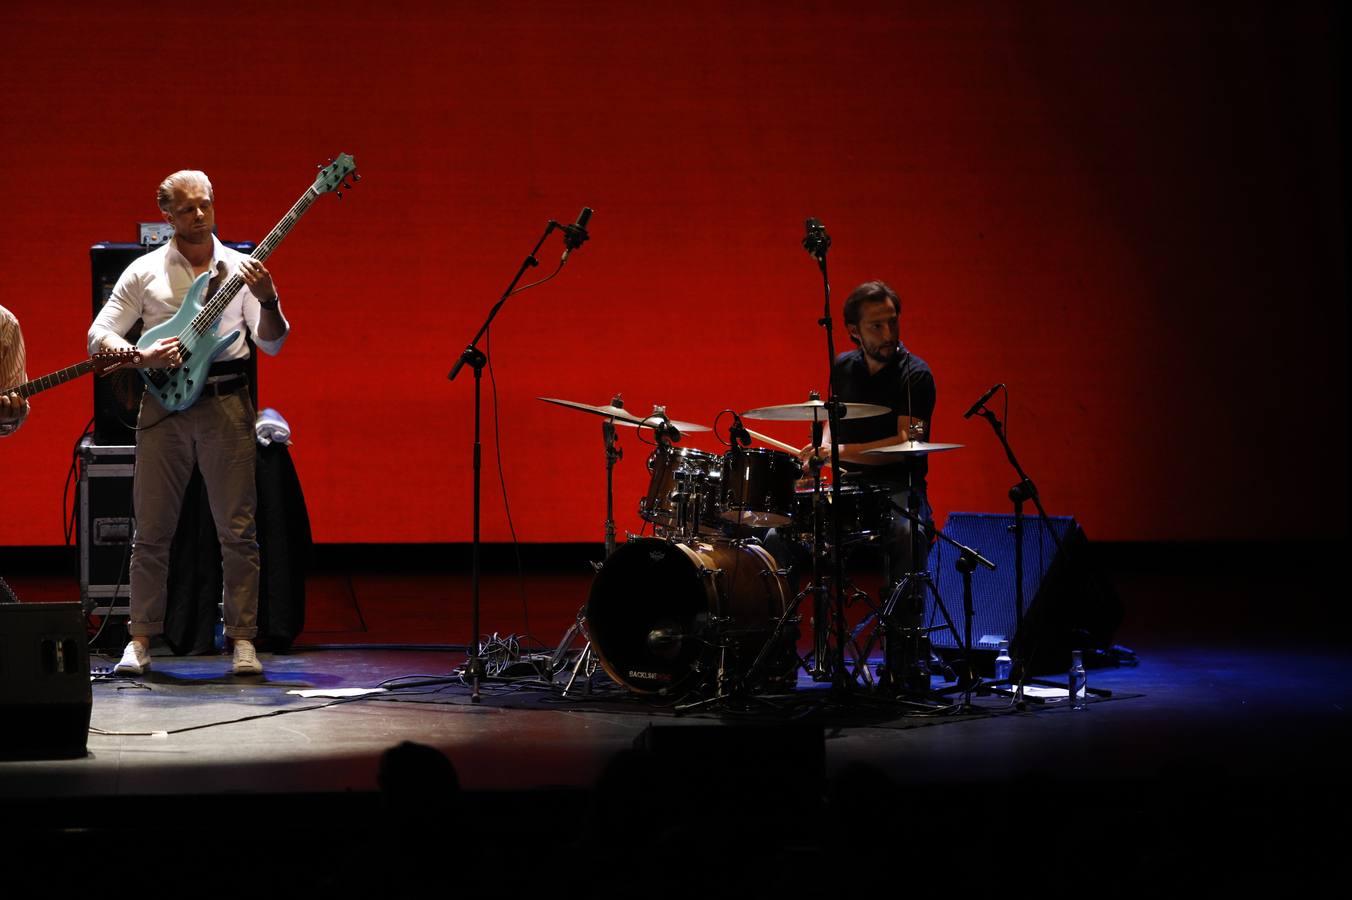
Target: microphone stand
[[476, 359], [1019, 494], [817, 242], [968, 559]]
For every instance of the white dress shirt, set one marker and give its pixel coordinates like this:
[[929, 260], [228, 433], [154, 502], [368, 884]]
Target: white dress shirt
[[152, 289]]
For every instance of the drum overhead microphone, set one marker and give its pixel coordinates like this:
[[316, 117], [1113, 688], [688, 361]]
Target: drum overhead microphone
[[575, 235], [982, 402], [740, 436], [817, 241]]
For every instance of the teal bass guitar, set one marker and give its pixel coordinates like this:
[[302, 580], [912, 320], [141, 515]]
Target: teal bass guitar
[[196, 321]]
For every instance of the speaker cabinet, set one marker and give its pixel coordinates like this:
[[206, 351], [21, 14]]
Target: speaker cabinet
[[1068, 604], [117, 397], [45, 697], [106, 525]]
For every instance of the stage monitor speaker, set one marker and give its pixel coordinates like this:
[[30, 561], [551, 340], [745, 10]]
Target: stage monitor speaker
[[117, 397], [45, 697], [1068, 604]]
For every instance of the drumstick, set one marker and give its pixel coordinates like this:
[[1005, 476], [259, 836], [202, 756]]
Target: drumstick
[[773, 443]]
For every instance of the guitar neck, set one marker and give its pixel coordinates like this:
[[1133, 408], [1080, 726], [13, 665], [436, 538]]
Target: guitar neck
[[38, 385], [213, 308]]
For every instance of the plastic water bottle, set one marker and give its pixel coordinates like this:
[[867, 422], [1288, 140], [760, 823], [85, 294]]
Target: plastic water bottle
[[1004, 666], [1077, 680], [218, 630]]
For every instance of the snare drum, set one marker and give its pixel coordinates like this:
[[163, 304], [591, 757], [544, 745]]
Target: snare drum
[[863, 511], [682, 490], [757, 487]]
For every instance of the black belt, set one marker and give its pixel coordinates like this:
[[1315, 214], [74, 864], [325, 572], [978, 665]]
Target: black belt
[[229, 367], [228, 386]]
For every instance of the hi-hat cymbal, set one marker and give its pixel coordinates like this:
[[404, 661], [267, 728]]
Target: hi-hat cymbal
[[652, 421], [814, 411], [622, 416], [914, 448]]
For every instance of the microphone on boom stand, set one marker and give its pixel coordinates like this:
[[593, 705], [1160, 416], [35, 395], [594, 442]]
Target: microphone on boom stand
[[982, 402], [575, 235]]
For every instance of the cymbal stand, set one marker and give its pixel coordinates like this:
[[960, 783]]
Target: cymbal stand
[[816, 589], [1020, 493], [614, 453], [902, 645], [968, 559]]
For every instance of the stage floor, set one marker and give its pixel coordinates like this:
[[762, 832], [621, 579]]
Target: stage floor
[[1211, 732]]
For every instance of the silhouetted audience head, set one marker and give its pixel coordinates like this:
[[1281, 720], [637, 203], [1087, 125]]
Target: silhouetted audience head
[[415, 777]]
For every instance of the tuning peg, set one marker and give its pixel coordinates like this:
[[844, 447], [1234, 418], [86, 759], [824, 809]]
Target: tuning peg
[[356, 176], [347, 186], [340, 194]]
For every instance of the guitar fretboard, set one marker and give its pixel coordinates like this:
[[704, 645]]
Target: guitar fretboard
[[211, 311], [37, 385]]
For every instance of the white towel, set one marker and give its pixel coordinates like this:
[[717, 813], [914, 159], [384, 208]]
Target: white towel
[[270, 427]]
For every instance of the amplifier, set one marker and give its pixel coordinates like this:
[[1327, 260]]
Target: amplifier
[[45, 697], [106, 525]]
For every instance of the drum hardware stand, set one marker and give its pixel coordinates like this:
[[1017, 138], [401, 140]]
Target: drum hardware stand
[[968, 560], [476, 359], [727, 687], [817, 242], [586, 659], [614, 453], [903, 672], [1019, 494]]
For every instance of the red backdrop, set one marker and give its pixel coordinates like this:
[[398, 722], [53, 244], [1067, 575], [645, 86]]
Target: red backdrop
[[1131, 217]]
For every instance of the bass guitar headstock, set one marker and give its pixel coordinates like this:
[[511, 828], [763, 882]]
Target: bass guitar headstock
[[335, 175], [106, 361]]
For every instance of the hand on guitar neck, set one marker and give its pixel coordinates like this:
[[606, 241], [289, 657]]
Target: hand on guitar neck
[[12, 407], [162, 354]]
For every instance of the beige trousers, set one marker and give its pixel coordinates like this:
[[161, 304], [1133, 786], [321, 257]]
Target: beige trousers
[[218, 434]]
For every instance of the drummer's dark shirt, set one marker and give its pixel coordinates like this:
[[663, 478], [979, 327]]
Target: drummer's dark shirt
[[906, 386]]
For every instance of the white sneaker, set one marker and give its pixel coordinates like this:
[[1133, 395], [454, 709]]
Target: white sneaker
[[135, 660], [246, 659]]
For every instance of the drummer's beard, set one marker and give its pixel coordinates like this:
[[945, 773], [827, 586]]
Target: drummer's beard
[[883, 352]]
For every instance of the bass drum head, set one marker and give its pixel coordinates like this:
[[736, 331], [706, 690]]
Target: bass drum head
[[645, 606], [648, 613]]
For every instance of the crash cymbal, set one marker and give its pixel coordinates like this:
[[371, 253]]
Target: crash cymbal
[[914, 448], [814, 410], [619, 413], [622, 416]]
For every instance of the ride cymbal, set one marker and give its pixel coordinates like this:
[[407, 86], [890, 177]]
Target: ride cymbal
[[814, 411], [914, 448]]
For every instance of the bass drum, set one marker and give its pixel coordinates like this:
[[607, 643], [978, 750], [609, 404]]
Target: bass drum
[[658, 610]]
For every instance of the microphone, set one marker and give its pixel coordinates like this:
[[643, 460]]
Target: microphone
[[738, 433], [817, 241], [982, 402], [575, 235], [665, 642]]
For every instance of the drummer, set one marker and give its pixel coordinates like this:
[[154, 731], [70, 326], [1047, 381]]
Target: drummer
[[880, 370]]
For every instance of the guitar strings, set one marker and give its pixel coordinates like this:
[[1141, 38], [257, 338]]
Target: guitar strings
[[206, 318]]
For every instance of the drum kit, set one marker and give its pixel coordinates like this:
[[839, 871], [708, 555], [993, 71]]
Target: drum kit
[[701, 608]]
